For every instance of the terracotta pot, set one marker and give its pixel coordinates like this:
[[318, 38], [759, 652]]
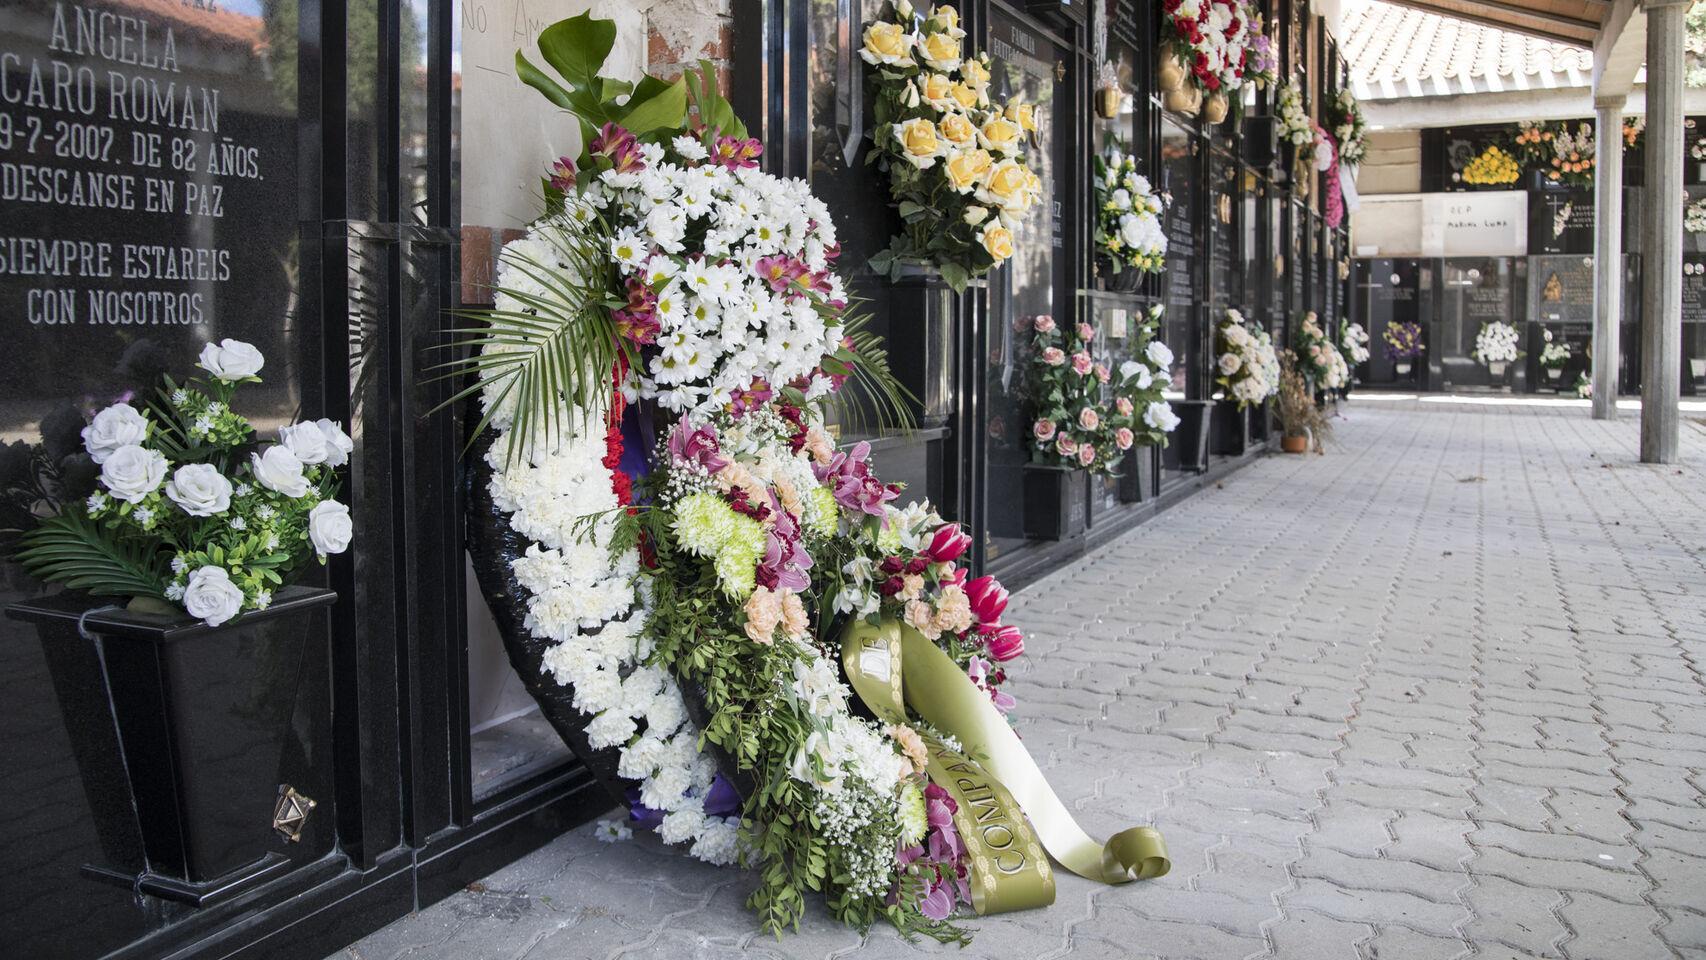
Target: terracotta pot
[[1170, 75], [1214, 108], [1291, 444], [1108, 103]]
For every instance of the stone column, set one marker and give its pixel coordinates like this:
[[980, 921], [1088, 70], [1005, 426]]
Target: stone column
[[1607, 255], [1661, 251]]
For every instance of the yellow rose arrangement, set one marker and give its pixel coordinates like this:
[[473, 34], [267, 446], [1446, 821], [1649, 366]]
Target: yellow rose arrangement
[[1492, 167], [955, 160]]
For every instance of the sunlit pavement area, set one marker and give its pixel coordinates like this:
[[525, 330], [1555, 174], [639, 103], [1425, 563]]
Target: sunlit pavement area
[[1436, 694]]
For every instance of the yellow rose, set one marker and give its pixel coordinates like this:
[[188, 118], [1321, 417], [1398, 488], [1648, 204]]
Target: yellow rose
[[1000, 135], [948, 19], [963, 95], [997, 240], [957, 130], [1006, 186], [937, 90], [941, 51], [918, 141], [966, 168], [887, 43], [1023, 114], [973, 72]]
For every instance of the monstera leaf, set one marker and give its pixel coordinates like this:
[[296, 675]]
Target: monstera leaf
[[576, 49]]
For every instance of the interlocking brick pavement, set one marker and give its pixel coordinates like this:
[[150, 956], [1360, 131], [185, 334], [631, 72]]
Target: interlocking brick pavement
[[1438, 694]]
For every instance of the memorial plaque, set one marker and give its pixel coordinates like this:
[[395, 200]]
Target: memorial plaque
[[1297, 262], [149, 195], [1694, 288], [1560, 221], [1178, 182], [1560, 289]]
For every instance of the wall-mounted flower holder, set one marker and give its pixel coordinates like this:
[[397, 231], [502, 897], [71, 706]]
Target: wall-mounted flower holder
[[1189, 449], [922, 309], [1056, 502], [191, 731], [1231, 430]]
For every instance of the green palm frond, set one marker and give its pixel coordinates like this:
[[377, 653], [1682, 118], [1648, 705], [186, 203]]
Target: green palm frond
[[73, 550], [555, 352], [872, 397]]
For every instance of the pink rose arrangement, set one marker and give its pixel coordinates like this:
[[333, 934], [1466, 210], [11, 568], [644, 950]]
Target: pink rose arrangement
[[1090, 412]]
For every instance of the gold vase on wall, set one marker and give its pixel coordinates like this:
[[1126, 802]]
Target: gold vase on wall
[[1214, 108], [1170, 75], [1108, 103]]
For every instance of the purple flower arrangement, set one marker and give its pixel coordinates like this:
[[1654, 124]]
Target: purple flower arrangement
[[1403, 341]]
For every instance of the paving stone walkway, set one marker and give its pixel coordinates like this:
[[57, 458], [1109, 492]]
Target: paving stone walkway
[[1438, 694]]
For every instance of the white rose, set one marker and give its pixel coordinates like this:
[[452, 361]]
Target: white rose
[[1159, 354], [211, 596], [338, 443], [975, 215], [329, 527], [1229, 364], [200, 489], [133, 472], [119, 425], [278, 470], [1160, 416], [305, 440], [231, 360]]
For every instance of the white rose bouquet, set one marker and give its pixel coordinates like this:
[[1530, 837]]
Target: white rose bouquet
[[191, 508], [1353, 342], [1295, 127], [1694, 215], [1247, 367], [1322, 360], [1496, 343], [1128, 215]]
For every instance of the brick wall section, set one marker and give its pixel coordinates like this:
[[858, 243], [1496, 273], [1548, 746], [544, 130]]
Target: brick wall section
[[681, 32]]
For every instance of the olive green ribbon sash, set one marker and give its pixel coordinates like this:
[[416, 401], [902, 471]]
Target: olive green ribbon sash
[[892, 666]]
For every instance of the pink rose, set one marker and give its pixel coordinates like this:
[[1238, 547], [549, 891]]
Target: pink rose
[[1085, 332], [1004, 642], [1087, 454], [1043, 324], [1081, 363], [1089, 419], [1123, 438], [1065, 445], [1053, 356], [1043, 430], [1102, 373], [988, 599], [1123, 405]]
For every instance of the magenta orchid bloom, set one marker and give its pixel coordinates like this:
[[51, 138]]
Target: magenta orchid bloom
[[779, 271], [734, 154], [785, 561], [563, 174], [978, 672], [620, 147], [689, 444], [855, 487], [756, 394]]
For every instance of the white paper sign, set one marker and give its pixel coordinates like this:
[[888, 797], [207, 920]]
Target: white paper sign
[[1493, 224]]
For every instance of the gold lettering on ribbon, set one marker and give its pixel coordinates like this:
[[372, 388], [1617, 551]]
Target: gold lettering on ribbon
[[984, 813]]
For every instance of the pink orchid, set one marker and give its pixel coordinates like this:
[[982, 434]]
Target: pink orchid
[[696, 445], [978, 672], [849, 477]]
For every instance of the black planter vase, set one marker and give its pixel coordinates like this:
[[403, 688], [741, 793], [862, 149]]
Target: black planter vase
[[191, 730], [1118, 277], [1056, 502], [1137, 475], [1261, 423], [1230, 425], [1191, 437], [922, 309]]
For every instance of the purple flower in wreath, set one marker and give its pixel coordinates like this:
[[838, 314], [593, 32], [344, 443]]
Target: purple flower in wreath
[[849, 477], [696, 445]]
